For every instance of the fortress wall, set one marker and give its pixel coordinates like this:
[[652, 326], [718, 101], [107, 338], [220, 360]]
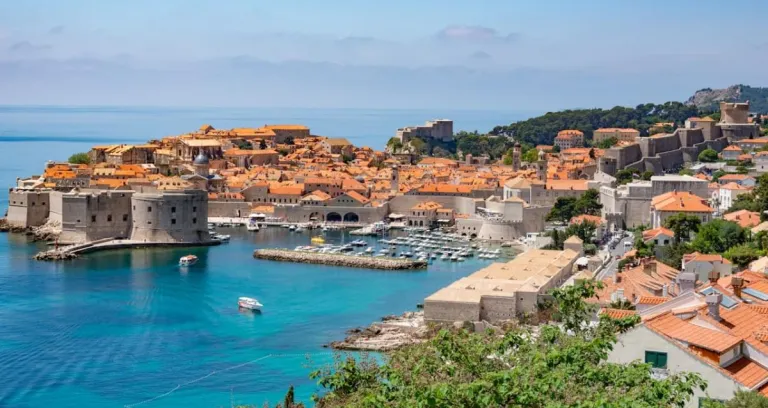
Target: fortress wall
[[670, 160], [462, 205], [28, 208], [366, 215], [228, 209], [154, 215], [690, 137], [734, 132]]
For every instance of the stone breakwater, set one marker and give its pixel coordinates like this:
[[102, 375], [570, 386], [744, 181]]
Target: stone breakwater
[[286, 255]]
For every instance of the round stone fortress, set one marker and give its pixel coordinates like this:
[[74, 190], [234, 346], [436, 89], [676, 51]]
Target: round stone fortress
[[170, 217]]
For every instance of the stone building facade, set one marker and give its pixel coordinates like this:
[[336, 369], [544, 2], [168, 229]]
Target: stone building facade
[[170, 217]]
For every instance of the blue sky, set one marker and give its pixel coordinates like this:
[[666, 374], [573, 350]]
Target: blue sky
[[478, 54]]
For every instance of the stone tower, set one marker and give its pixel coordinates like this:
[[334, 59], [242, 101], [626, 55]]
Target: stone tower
[[541, 167], [395, 182], [516, 157], [201, 165]]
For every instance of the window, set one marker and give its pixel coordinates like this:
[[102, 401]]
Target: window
[[93, 218], [657, 359], [125, 217], [134, 208], [194, 209], [173, 209], [194, 220], [173, 221], [149, 222], [109, 217], [149, 209]]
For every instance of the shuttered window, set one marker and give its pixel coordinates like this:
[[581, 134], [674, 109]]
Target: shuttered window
[[657, 359]]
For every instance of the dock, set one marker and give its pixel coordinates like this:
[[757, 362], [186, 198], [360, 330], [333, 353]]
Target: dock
[[367, 262], [74, 251]]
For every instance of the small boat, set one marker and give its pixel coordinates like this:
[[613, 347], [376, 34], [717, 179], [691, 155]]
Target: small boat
[[249, 303], [461, 259], [221, 237], [299, 229], [369, 250], [188, 260], [454, 258], [445, 257], [317, 240]]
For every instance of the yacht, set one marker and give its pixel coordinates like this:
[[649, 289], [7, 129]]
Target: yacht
[[454, 258], [221, 237], [299, 229], [188, 260], [292, 227], [445, 257], [369, 250], [253, 222], [249, 303]]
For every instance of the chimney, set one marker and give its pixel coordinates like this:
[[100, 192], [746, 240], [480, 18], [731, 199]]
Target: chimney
[[714, 276], [649, 267], [713, 305], [737, 283], [687, 281], [664, 290]]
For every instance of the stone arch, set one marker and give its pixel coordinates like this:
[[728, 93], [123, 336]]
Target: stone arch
[[463, 234], [473, 236], [421, 223], [318, 216], [351, 217], [333, 217]]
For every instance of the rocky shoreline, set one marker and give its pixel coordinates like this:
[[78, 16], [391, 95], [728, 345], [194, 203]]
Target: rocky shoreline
[[45, 232], [286, 255], [390, 334]]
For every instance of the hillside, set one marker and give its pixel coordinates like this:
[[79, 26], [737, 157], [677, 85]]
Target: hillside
[[543, 129], [709, 99]]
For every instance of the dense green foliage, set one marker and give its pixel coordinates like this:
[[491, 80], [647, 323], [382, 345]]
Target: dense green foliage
[[716, 236], [566, 208], [477, 145], [742, 399], [543, 129], [531, 156], [607, 143], [625, 176], [683, 225], [79, 158], [708, 156], [562, 366], [584, 230]]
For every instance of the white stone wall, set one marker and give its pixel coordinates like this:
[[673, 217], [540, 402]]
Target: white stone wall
[[28, 208], [633, 345], [451, 311], [494, 308]]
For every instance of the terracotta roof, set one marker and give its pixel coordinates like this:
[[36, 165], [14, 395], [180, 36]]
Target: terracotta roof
[[680, 201], [744, 218], [585, 217], [617, 313], [747, 372], [580, 185], [679, 329], [338, 141], [699, 257], [651, 300], [427, 205], [446, 188], [732, 148], [735, 177], [655, 232], [357, 196], [287, 190]]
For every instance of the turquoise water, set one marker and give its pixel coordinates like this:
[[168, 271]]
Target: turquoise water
[[123, 327]]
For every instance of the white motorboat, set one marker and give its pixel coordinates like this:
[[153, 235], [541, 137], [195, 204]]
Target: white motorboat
[[221, 237], [445, 257], [454, 258], [369, 250], [292, 227], [188, 260], [249, 303]]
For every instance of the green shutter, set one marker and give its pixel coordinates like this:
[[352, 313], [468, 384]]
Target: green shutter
[[656, 359]]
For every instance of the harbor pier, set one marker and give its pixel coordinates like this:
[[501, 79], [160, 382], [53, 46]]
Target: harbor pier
[[287, 255]]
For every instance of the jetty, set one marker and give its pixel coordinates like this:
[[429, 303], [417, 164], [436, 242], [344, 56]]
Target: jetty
[[75, 250], [287, 255]]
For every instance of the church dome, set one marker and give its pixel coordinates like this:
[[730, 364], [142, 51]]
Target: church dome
[[201, 159]]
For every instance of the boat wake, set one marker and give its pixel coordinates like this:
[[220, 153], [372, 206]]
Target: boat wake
[[212, 373]]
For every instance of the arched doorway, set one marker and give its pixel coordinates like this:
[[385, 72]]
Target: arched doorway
[[473, 236], [316, 216], [333, 217], [351, 217]]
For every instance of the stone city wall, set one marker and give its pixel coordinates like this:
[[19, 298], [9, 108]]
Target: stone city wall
[[444, 311], [228, 209], [462, 205], [28, 208]]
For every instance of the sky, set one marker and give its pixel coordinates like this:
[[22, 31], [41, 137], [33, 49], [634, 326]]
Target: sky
[[481, 54]]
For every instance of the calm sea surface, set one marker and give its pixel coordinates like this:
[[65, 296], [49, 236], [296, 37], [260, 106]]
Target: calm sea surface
[[127, 327]]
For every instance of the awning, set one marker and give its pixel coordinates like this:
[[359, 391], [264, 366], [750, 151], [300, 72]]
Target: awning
[[396, 216]]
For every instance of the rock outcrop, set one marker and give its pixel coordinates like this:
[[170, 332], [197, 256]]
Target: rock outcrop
[[391, 333]]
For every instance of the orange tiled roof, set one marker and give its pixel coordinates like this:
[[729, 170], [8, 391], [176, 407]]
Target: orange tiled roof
[[744, 218], [678, 329], [617, 313], [651, 300], [653, 233], [680, 201], [427, 205], [585, 217], [357, 196]]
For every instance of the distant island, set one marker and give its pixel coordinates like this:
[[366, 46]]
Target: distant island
[[709, 99]]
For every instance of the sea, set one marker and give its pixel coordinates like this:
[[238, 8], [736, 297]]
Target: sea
[[129, 328]]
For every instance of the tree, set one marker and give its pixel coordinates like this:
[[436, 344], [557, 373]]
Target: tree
[[717, 236], [508, 160], [556, 149], [79, 158], [588, 203], [716, 175], [585, 230], [394, 145], [761, 195], [746, 201], [530, 156], [562, 365], [262, 144], [741, 399], [417, 145], [708, 156], [563, 210], [742, 254], [625, 176], [672, 255], [685, 172], [647, 175], [290, 141], [683, 225], [607, 143]]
